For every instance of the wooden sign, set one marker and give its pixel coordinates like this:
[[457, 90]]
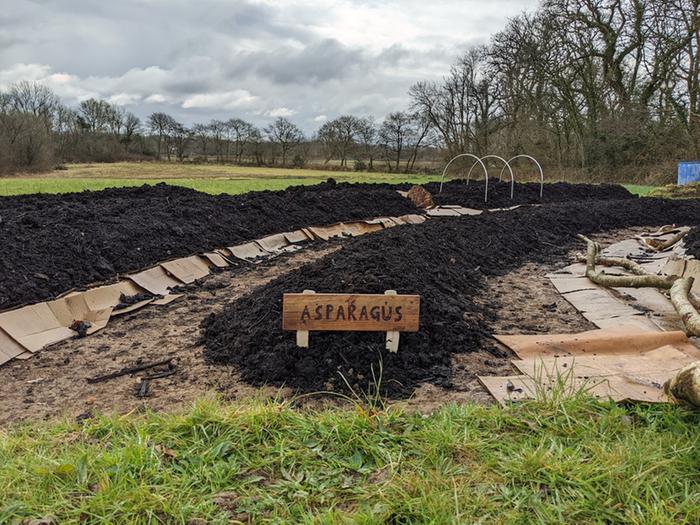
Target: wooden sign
[[389, 313]]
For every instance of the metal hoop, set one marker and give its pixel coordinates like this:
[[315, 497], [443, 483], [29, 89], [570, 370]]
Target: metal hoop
[[533, 159], [506, 164], [478, 160]]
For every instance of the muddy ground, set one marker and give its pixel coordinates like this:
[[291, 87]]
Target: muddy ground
[[54, 383]]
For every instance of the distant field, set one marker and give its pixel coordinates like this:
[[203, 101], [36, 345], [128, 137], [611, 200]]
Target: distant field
[[208, 178]]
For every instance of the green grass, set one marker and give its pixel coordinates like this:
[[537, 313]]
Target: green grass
[[639, 189], [575, 461], [21, 186]]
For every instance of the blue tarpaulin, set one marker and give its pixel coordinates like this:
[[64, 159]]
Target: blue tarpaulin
[[688, 172]]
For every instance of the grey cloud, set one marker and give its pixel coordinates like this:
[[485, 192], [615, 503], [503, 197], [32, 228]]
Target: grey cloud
[[313, 57]]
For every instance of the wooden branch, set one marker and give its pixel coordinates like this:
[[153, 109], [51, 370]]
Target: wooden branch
[[680, 292], [128, 370], [643, 280], [659, 246], [627, 264]]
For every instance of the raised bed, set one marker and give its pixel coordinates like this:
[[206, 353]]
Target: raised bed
[[53, 243], [472, 195], [445, 261]]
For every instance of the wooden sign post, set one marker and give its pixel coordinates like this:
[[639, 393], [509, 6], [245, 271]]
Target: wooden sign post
[[390, 313]]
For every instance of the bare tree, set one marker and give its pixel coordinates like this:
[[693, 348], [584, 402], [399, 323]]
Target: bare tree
[[367, 138], [160, 124], [286, 135]]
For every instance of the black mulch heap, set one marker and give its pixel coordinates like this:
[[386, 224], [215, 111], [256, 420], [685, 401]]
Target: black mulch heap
[[445, 261], [692, 242], [53, 243], [472, 195]]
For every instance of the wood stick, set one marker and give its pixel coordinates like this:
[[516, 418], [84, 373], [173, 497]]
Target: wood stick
[[622, 281], [680, 292], [627, 264], [128, 370]]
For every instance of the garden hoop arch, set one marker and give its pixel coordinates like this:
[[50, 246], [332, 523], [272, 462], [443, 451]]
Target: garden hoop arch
[[539, 167], [478, 161], [506, 164]]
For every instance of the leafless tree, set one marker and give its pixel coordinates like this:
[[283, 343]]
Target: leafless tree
[[284, 134], [160, 123]]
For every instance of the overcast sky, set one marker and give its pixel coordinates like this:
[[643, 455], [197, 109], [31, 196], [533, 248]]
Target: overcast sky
[[256, 59]]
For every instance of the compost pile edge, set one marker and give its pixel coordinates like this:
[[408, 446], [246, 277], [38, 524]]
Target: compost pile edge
[[444, 261]]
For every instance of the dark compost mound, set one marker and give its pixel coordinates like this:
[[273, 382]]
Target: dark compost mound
[[472, 195], [445, 261], [692, 242], [52, 243]]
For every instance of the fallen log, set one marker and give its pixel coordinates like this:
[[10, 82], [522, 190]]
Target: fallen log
[[627, 264], [128, 370], [642, 280], [680, 297], [684, 388]]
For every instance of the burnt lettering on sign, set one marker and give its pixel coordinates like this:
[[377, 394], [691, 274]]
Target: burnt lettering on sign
[[351, 312]]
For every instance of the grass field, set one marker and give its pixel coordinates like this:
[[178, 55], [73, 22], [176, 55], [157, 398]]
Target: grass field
[[209, 178], [575, 461]]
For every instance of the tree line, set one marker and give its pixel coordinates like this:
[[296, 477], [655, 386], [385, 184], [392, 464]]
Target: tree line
[[598, 86], [37, 131]]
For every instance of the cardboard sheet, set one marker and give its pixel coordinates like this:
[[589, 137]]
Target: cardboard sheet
[[216, 259], [356, 229], [617, 388], [413, 219], [34, 327], [297, 236], [76, 308], [9, 348], [187, 269], [274, 243], [684, 268], [327, 232], [250, 251], [655, 365], [155, 280], [441, 211], [622, 340]]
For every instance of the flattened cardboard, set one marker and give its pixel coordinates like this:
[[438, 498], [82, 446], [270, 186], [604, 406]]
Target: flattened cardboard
[[250, 251], [413, 218], [34, 327], [441, 211], [327, 232], [216, 259], [356, 229], [618, 388], [655, 365], [155, 280], [566, 284], [132, 307], [76, 308], [297, 236], [273, 243], [622, 340], [187, 269], [9, 348], [467, 211]]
